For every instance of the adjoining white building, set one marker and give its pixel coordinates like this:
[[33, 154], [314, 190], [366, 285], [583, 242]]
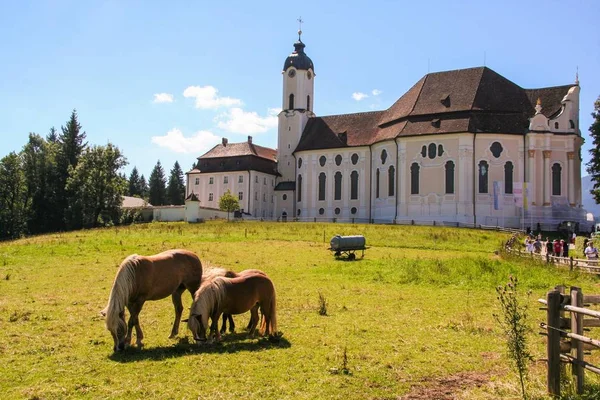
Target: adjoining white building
[[463, 146]]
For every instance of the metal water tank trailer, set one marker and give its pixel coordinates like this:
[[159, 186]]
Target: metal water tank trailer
[[343, 243]]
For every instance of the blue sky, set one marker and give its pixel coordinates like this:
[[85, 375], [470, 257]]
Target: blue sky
[[168, 80]]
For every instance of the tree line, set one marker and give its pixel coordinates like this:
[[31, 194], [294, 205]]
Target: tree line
[[59, 182]]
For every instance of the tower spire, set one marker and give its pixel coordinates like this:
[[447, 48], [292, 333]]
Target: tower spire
[[577, 76], [300, 29]]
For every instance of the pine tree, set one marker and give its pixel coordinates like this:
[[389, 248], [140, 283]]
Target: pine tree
[[143, 188], [13, 191], [52, 136], [176, 188], [593, 166], [157, 191], [72, 140], [134, 183]]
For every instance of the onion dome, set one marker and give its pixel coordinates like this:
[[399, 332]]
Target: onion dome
[[298, 59]]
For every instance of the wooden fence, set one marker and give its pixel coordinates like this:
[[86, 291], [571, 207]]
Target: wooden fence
[[573, 263], [564, 346]]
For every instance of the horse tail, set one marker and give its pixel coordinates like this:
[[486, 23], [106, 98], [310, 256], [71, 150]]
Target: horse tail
[[269, 320], [119, 295]]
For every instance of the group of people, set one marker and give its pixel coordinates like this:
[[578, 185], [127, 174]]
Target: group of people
[[558, 248]]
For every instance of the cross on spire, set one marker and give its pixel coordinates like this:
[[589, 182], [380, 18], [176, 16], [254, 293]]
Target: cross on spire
[[299, 28]]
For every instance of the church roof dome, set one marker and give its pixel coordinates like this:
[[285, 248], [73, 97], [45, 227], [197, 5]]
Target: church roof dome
[[298, 59]]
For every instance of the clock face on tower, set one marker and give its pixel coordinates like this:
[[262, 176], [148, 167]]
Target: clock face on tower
[[308, 75], [292, 73]]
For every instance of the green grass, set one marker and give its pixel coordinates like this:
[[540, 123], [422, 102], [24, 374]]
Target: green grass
[[418, 306]]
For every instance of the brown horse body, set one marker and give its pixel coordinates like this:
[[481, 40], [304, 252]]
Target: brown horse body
[[233, 296], [142, 278], [210, 274]]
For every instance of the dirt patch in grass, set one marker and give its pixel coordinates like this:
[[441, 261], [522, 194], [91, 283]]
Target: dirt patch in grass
[[446, 388]]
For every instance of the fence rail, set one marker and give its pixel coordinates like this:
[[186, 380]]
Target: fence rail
[[572, 352], [585, 265]]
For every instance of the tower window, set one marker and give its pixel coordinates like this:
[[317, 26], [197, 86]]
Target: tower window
[[291, 105], [556, 125], [354, 185], [508, 177], [449, 177], [391, 179], [299, 163], [483, 176], [299, 188], [414, 178], [308, 102], [377, 184], [383, 156], [556, 179], [322, 186], [337, 193], [572, 124]]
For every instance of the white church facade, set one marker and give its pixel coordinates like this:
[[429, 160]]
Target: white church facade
[[465, 146]]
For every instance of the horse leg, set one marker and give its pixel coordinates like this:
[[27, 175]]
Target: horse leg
[[231, 324], [224, 325], [134, 312], [253, 320], [176, 297]]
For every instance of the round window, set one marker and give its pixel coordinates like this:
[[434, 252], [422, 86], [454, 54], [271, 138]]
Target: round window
[[337, 211], [285, 196], [338, 160], [353, 210], [354, 158], [299, 163], [321, 211], [496, 149], [322, 161]]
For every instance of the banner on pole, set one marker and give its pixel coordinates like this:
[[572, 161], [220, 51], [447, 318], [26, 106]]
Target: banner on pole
[[518, 194], [498, 198]]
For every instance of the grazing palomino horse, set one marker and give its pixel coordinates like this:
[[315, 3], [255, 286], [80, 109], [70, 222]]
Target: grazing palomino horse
[[212, 273], [141, 278], [233, 296]]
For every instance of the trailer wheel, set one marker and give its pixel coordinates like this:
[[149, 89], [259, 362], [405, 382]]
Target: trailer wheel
[[351, 256]]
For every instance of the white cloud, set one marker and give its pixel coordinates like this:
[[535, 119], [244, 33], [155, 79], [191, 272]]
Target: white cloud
[[376, 92], [163, 98], [237, 120], [207, 98], [358, 96], [198, 143]]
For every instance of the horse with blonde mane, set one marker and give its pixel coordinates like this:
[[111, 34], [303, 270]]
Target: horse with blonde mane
[[142, 278], [233, 296], [211, 273]]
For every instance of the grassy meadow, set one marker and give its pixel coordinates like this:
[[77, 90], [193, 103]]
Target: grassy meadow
[[415, 315]]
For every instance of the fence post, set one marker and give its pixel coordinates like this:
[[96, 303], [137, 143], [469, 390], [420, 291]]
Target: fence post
[[571, 268], [553, 299], [576, 345]]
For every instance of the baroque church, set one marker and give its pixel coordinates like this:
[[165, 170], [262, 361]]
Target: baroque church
[[459, 147]]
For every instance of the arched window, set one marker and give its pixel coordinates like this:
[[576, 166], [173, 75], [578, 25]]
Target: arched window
[[354, 185], [483, 176], [414, 178], [391, 180], [377, 184], [556, 179], [337, 192], [308, 102], [449, 177], [423, 151], [508, 177], [572, 124], [299, 163], [432, 150], [322, 186], [299, 188], [291, 106]]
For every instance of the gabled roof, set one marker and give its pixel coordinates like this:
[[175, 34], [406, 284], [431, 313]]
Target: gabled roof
[[240, 149], [465, 100]]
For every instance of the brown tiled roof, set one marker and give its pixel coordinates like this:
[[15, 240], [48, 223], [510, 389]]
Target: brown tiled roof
[[240, 149], [466, 100]]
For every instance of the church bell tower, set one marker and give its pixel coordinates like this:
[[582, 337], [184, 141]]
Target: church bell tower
[[297, 106]]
